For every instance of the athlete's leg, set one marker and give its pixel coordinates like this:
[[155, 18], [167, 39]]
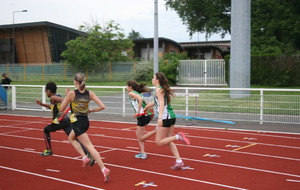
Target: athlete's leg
[[75, 143], [172, 145], [85, 140], [162, 136], [139, 134], [47, 137], [68, 130]]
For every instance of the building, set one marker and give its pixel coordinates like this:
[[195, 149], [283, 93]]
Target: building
[[43, 42], [207, 49], [38, 42], [143, 48]]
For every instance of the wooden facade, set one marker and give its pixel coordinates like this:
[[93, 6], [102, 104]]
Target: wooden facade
[[39, 43]]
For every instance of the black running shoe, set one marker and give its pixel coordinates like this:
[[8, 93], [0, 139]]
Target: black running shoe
[[92, 161]]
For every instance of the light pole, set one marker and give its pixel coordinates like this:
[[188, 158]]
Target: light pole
[[13, 46], [155, 40]]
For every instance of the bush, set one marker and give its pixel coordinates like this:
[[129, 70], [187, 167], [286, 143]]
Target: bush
[[273, 70], [143, 72], [169, 65]]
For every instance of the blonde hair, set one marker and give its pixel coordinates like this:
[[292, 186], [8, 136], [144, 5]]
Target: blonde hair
[[79, 77]]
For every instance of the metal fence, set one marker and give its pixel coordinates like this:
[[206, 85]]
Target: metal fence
[[262, 105], [191, 72], [202, 72], [116, 71]]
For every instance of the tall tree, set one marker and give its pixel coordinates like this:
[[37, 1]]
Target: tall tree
[[134, 35], [101, 45], [206, 16], [275, 24]]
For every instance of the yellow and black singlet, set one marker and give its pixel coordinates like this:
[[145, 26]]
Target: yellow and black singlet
[[80, 104], [55, 110]]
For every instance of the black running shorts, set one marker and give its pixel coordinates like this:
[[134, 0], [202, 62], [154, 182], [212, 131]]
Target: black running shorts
[[143, 120], [81, 125], [169, 122]]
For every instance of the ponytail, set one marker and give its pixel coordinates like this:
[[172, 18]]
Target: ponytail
[[79, 77], [140, 88]]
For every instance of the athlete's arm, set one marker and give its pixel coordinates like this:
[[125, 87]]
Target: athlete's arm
[[95, 98], [137, 97], [160, 97], [149, 105], [56, 99], [42, 104], [70, 97]]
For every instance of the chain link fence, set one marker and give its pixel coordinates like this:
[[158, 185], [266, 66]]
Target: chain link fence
[[116, 71]]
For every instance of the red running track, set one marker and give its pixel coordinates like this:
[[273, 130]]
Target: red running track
[[216, 159]]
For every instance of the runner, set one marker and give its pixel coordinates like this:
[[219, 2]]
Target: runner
[[55, 100], [135, 91], [79, 102], [166, 118]]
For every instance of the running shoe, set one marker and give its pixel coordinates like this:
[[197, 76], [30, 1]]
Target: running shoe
[[92, 161], [183, 138], [106, 173], [47, 153], [177, 166], [85, 161], [141, 156]]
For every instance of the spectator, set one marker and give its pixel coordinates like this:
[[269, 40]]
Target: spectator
[[5, 80]]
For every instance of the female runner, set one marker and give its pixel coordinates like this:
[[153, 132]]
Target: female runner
[[79, 102], [166, 118], [135, 91]]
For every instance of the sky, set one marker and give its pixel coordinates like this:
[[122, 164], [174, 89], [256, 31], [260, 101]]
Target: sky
[[137, 15]]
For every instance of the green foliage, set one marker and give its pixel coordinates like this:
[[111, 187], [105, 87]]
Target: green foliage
[[203, 16], [134, 35], [143, 72], [169, 65], [101, 45], [273, 70], [275, 24]]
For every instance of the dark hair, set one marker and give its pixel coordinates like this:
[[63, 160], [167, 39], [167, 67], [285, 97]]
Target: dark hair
[[79, 77], [4, 74], [137, 87], [51, 86], [163, 82]]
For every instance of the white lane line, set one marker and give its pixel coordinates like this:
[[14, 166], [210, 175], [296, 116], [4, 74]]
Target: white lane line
[[51, 170], [131, 147], [191, 146], [291, 180], [48, 177], [194, 160], [139, 170]]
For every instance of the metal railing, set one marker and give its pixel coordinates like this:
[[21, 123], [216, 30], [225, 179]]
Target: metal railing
[[260, 105]]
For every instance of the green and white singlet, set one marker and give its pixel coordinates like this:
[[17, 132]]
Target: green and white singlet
[[135, 103], [168, 110]]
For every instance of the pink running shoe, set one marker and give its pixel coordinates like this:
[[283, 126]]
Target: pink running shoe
[[183, 138], [106, 173], [85, 162], [177, 166]]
